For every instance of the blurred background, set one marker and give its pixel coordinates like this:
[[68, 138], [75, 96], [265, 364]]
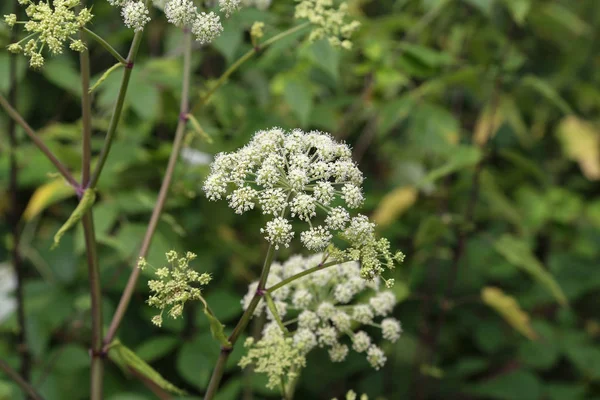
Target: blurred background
[[476, 123]]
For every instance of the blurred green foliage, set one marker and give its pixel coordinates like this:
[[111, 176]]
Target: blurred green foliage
[[476, 124]]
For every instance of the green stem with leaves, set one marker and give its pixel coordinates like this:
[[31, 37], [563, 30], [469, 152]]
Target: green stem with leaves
[[217, 375], [164, 191]]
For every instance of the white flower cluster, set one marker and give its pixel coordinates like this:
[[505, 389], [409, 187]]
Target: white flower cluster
[[50, 24], [306, 176], [329, 305], [328, 22], [260, 4], [134, 12]]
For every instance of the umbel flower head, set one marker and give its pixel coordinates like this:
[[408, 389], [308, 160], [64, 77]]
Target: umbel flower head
[[177, 283], [51, 23], [328, 21], [308, 177], [330, 306]]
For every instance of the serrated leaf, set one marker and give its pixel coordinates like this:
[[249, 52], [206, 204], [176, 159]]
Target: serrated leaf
[[46, 195], [127, 359], [518, 253], [581, 142], [394, 204], [509, 309]]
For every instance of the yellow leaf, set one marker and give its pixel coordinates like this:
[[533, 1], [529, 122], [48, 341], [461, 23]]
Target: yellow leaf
[[394, 204], [488, 123], [509, 309], [581, 143], [46, 195]]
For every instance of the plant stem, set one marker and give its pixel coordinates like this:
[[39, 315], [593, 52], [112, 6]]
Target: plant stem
[[301, 274], [217, 374], [13, 220], [97, 363], [164, 190], [18, 379], [106, 45], [38, 142], [116, 116], [248, 55], [273, 309]]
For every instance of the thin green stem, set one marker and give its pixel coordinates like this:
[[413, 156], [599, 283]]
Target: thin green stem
[[162, 196], [301, 274], [240, 61], [275, 313], [116, 116], [106, 45], [97, 367], [38, 142], [26, 387], [97, 364], [217, 374], [86, 115]]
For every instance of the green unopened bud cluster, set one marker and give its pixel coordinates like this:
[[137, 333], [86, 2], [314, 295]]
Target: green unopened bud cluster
[[50, 24], [177, 284]]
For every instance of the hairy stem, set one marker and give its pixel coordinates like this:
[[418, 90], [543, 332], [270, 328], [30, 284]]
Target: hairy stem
[[13, 220], [38, 142], [162, 196], [97, 363], [240, 61], [18, 379], [217, 374], [106, 45]]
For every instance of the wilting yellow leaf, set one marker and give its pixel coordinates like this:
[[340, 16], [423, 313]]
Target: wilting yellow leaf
[[46, 195], [394, 204], [488, 123], [581, 143], [509, 309]]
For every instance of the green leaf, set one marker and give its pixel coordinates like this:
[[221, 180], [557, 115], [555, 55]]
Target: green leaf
[[462, 157], [216, 327], [297, 94], [127, 359], [517, 252], [516, 385], [326, 56], [156, 347], [86, 202], [60, 71], [547, 91], [518, 9]]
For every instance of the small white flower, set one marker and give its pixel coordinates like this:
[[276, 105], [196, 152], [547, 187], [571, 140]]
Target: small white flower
[[306, 339], [383, 303], [343, 293], [327, 336], [391, 329], [325, 310], [229, 6], [337, 219], [308, 320], [242, 199], [352, 195], [273, 201], [181, 13], [302, 298], [362, 313], [304, 207], [376, 357], [316, 239], [341, 320], [207, 27], [361, 341], [338, 352], [324, 191], [135, 15], [279, 232]]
